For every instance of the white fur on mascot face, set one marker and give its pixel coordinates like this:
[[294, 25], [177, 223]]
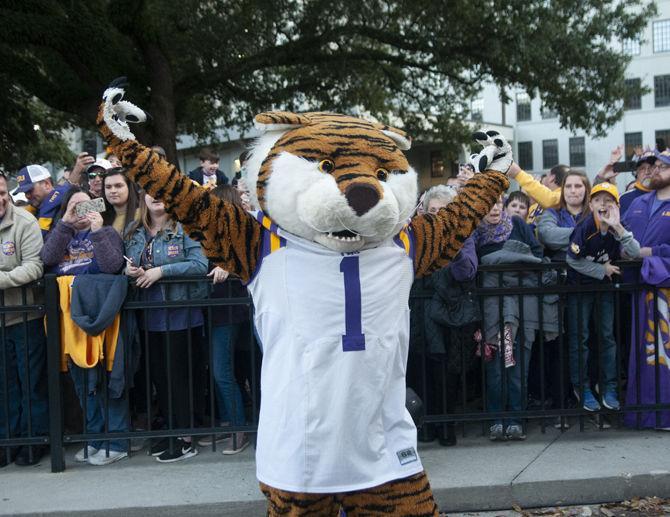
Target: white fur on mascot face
[[340, 181]]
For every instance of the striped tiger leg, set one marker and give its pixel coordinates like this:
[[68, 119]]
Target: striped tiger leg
[[298, 504], [407, 497]]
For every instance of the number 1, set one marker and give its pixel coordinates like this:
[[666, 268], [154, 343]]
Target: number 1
[[353, 339]]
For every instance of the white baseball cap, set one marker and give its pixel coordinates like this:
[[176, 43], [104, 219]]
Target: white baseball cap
[[100, 163], [29, 175]]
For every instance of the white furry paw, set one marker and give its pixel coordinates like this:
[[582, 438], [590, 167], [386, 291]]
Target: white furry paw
[[118, 113], [496, 155]]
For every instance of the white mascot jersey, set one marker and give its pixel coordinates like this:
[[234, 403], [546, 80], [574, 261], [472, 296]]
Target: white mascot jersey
[[334, 329]]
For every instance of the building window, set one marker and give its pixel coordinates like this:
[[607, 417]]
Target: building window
[[525, 155], [631, 47], [436, 164], [662, 36], [662, 90], [477, 110], [663, 134], [631, 141], [549, 153], [522, 107], [577, 152], [633, 99], [547, 113]]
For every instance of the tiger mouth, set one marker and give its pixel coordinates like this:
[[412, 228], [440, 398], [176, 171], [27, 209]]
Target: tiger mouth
[[344, 236]]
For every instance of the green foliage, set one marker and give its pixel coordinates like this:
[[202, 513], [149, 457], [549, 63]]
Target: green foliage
[[30, 132], [200, 65]]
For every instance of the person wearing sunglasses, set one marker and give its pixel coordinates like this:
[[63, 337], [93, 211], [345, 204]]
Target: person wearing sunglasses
[[95, 173]]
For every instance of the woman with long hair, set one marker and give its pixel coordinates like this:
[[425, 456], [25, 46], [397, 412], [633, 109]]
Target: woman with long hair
[[81, 244], [121, 200], [555, 225], [554, 228], [158, 247]]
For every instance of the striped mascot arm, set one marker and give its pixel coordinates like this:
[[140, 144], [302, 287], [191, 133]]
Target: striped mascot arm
[[230, 237], [438, 238]]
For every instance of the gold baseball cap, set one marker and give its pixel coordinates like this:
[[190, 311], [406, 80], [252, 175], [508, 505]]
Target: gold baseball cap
[[606, 187]]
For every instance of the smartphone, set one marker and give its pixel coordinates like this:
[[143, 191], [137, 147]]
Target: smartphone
[[624, 166], [94, 205], [90, 147]]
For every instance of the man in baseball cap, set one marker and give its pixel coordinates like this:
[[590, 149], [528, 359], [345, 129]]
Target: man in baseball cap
[[648, 217], [643, 168], [36, 183]]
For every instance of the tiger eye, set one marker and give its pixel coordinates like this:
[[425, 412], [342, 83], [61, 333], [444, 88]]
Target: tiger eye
[[327, 166], [382, 174]]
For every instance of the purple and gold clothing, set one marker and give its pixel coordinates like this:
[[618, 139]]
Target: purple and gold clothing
[[588, 242], [627, 198], [50, 207], [649, 220], [68, 252]]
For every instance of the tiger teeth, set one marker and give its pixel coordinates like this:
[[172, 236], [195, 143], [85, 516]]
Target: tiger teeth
[[356, 238]]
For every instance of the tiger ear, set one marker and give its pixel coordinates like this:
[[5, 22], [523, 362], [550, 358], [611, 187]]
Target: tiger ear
[[401, 139], [279, 120]]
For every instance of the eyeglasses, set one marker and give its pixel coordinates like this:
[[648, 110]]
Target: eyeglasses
[[93, 175]]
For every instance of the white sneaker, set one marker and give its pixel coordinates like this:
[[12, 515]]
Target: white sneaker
[[79, 457], [206, 441], [101, 458], [233, 446]]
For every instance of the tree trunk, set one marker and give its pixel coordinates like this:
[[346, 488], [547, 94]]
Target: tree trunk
[[162, 100]]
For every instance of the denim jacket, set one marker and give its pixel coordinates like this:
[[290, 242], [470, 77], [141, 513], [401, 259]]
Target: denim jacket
[[176, 254]]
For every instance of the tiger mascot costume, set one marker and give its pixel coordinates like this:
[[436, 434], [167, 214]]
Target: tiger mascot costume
[[329, 260]]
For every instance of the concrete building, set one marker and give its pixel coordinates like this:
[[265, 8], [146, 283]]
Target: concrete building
[[539, 141]]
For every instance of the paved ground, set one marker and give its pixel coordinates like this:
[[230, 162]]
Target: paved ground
[[547, 470]]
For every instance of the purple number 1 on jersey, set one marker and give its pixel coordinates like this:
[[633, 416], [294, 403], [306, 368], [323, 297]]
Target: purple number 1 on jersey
[[354, 339]]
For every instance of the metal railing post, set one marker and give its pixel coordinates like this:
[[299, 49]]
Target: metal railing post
[[52, 311]]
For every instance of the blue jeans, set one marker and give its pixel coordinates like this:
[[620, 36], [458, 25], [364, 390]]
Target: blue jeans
[[579, 316], [228, 395], [118, 422], [500, 380], [22, 369]]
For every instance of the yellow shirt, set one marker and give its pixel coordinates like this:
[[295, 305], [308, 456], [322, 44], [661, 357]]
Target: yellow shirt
[[84, 350], [544, 196]]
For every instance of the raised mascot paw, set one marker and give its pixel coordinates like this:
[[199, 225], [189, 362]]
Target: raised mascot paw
[[496, 155], [118, 113]]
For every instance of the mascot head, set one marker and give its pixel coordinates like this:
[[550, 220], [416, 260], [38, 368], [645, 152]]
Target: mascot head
[[337, 180]]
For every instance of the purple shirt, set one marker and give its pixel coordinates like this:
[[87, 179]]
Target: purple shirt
[[650, 230], [627, 199]]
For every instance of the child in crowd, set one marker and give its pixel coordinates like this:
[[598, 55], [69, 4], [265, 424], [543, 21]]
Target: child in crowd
[[597, 241], [517, 204], [505, 239]]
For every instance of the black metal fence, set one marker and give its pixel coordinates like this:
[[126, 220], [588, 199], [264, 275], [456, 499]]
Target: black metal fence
[[516, 357]]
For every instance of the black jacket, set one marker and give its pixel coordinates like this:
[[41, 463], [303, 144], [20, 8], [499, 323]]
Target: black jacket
[[197, 175]]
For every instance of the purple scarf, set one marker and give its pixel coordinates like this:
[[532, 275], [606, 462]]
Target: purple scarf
[[493, 233]]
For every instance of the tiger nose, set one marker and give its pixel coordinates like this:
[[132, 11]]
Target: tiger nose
[[361, 197]]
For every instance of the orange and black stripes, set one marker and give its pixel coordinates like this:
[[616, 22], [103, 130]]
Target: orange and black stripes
[[439, 237], [230, 237], [408, 497], [357, 148]]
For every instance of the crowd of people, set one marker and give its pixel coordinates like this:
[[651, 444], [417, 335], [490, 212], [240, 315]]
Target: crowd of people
[[558, 351], [135, 370]]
